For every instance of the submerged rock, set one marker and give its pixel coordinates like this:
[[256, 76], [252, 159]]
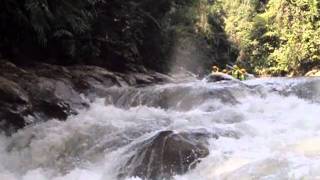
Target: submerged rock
[[166, 154], [217, 76]]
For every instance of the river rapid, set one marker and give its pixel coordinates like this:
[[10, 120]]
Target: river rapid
[[268, 129]]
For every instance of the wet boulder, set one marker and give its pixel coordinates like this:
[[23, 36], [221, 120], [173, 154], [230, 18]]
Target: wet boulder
[[49, 89], [14, 104], [305, 88], [11, 92], [166, 154], [55, 98], [39, 91], [218, 76]]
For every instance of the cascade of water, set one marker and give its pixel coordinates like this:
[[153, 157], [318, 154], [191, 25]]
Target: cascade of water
[[259, 129]]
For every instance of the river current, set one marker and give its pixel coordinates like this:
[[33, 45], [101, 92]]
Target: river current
[[274, 125]]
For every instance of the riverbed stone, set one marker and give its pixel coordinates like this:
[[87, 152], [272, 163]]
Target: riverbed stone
[[166, 154]]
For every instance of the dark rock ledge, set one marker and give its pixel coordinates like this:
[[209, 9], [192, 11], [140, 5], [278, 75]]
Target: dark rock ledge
[[38, 93], [166, 154]]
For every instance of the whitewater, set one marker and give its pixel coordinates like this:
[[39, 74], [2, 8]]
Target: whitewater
[[267, 129]]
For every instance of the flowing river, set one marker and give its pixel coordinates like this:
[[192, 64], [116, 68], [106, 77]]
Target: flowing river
[[266, 129]]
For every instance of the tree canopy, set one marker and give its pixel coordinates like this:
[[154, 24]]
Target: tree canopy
[[276, 37]]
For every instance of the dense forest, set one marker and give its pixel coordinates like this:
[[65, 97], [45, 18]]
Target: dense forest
[[117, 34], [275, 37]]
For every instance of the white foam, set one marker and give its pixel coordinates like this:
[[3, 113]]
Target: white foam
[[279, 138]]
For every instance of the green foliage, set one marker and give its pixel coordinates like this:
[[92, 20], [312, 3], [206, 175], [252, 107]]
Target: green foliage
[[114, 33], [42, 22], [278, 37], [201, 38], [297, 28]]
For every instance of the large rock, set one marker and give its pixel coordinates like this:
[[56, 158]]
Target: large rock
[[14, 104], [165, 155], [42, 91], [28, 96]]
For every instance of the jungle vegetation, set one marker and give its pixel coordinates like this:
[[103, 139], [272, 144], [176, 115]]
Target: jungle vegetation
[[265, 37], [277, 37]]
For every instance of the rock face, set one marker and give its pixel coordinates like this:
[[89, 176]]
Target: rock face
[[43, 91], [166, 154], [14, 104]]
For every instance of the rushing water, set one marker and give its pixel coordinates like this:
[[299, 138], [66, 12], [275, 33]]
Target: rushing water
[[275, 125]]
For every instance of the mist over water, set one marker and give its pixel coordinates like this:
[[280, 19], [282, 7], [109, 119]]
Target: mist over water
[[267, 129]]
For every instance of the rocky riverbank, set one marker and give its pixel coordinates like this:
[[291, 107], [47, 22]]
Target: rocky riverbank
[[187, 129], [40, 92]]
